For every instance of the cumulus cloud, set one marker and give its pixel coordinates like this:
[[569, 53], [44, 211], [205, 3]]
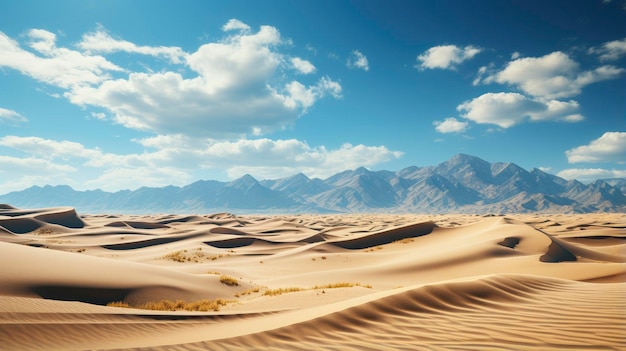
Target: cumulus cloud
[[240, 85], [610, 147], [60, 67], [302, 66], [178, 159], [48, 149], [551, 76], [31, 165], [446, 56], [589, 174], [611, 51], [114, 179], [236, 91], [450, 125], [100, 41], [508, 109], [10, 117], [26, 171], [358, 60], [236, 25], [271, 158]]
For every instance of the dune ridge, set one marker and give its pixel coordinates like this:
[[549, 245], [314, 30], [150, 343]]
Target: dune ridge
[[361, 282]]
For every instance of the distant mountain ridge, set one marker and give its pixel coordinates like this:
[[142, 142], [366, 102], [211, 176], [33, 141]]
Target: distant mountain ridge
[[462, 184]]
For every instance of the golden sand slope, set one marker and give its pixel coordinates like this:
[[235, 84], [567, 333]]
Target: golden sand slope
[[332, 282]]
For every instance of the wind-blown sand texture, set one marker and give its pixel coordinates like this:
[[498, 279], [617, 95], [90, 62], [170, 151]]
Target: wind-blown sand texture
[[312, 282]]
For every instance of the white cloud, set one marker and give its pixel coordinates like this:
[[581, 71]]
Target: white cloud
[[31, 165], [551, 76], [508, 109], [10, 117], [610, 147], [100, 41], [22, 172], [118, 178], [236, 25], [239, 89], [450, 125], [302, 66], [589, 174], [58, 66], [271, 158], [358, 60], [611, 51], [446, 56], [225, 89], [99, 115], [48, 149], [178, 160]]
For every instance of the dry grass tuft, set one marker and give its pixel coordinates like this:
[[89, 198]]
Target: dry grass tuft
[[118, 304], [228, 280], [43, 231], [248, 292], [279, 291], [341, 285], [178, 305], [190, 256]]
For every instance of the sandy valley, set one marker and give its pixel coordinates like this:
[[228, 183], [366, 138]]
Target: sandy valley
[[311, 282]]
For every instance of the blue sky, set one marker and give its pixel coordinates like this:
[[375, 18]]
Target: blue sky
[[121, 94]]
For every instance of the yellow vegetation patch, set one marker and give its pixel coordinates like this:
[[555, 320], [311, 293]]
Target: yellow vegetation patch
[[228, 280], [178, 305], [196, 256], [341, 285], [279, 291], [248, 292]]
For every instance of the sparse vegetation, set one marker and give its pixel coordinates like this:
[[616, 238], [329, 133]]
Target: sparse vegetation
[[280, 291], [44, 231], [228, 280], [375, 248], [196, 256], [178, 305], [248, 292], [341, 285]]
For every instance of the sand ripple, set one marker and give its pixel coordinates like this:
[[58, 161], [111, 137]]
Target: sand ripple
[[310, 282]]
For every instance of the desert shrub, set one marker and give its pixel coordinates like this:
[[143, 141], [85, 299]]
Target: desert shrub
[[177, 256], [228, 280], [279, 291], [118, 304], [177, 305], [194, 256], [341, 285], [248, 292]]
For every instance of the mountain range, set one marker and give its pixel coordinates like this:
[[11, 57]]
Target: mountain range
[[462, 184]]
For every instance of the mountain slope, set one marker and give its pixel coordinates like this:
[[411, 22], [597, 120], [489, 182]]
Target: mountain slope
[[463, 183]]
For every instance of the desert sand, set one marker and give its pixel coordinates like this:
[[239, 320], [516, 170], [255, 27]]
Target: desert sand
[[311, 282]]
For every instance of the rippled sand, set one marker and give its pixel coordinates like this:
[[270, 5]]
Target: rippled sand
[[349, 282]]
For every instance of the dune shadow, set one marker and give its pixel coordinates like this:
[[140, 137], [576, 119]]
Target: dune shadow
[[98, 296], [386, 237]]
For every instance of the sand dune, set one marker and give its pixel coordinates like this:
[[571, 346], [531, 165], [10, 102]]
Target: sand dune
[[332, 282]]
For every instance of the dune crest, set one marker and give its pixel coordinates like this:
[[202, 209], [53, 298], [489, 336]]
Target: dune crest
[[361, 281]]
